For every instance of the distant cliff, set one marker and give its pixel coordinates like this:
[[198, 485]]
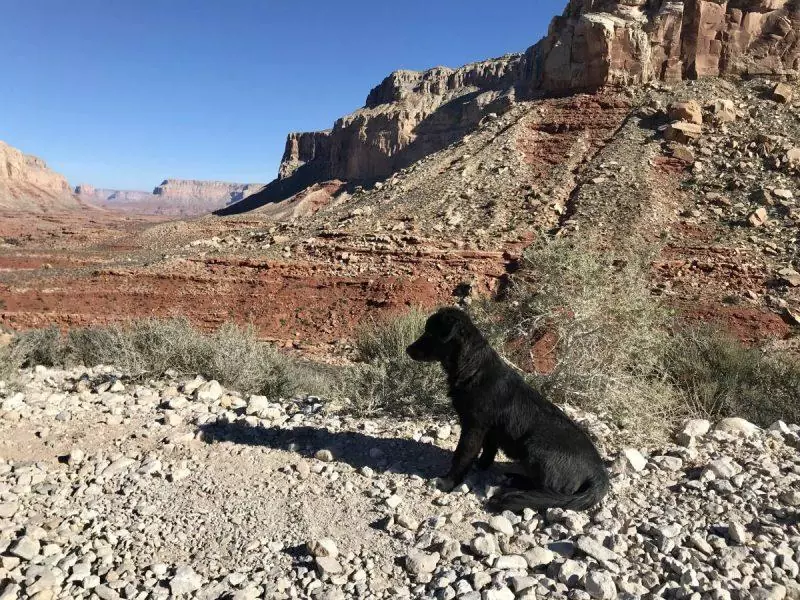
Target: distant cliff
[[26, 183], [178, 197]]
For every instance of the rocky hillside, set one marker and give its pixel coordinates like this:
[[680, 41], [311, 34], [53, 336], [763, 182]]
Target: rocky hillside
[[27, 184], [179, 488], [595, 43], [176, 197]]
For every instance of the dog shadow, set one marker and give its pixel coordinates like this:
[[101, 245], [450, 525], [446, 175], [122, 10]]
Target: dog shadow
[[382, 455]]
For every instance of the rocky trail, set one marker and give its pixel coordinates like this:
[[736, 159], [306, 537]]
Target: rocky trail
[[176, 487]]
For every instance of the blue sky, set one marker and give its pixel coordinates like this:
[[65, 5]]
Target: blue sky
[[123, 94]]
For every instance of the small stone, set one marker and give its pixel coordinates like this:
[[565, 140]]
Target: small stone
[[25, 548], [539, 557], [497, 593], [324, 455], [8, 509], [758, 217], [211, 391], [595, 549], [484, 545], [600, 584], [783, 93], [571, 573], [323, 548], [692, 430], [519, 583], [631, 460], [724, 111], [683, 132], [76, 456], [790, 497], [789, 277], [683, 153], [420, 563], [185, 580], [775, 592], [327, 566], [689, 111], [511, 561], [737, 426], [393, 501], [724, 468], [737, 532], [502, 525]]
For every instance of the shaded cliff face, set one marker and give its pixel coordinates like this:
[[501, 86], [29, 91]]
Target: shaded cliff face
[[594, 43], [175, 197], [26, 183]]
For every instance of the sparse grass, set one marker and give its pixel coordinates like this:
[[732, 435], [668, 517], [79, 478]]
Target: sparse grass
[[387, 381], [147, 348], [719, 376]]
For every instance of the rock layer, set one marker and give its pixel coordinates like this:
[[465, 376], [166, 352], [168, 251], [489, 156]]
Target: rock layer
[[26, 183], [594, 43]]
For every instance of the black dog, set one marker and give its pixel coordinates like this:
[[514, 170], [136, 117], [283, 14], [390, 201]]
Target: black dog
[[499, 410]]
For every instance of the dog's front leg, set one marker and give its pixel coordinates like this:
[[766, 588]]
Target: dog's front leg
[[491, 445], [469, 445]]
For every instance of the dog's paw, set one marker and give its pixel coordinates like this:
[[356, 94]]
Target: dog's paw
[[445, 484]]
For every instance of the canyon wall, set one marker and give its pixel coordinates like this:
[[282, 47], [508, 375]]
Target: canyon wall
[[26, 183], [594, 43]]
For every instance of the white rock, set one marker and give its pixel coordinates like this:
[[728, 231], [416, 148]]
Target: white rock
[[693, 429], [420, 563], [539, 557], [484, 545], [737, 426], [25, 548], [571, 573], [393, 501], [327, 566], [502, 525], [8, 509], [511, 561], [118, 466], [324, 455], [324, 547], [724, 468], [497, 593], [185, 580], [737, 532], [210, 391], [600, 584], [630, 459]]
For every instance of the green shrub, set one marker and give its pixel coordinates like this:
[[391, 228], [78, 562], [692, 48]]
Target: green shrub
[[387, 381]]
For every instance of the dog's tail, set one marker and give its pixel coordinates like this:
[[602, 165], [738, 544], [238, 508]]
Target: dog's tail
[[539, 499]]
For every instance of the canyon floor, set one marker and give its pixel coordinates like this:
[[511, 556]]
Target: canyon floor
[[177, 487], [307, 270]]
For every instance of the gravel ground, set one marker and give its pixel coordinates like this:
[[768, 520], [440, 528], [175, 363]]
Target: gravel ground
[[179, 488]]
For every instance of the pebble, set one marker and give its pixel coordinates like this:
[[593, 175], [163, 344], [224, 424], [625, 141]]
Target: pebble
[[185, 580]]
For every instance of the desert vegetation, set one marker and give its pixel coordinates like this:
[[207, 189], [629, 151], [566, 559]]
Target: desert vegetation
[[617, 352]]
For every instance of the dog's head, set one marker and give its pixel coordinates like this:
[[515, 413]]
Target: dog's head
[[443, 334]]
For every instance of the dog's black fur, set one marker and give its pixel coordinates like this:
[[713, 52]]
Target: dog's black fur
[[499, 410]]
